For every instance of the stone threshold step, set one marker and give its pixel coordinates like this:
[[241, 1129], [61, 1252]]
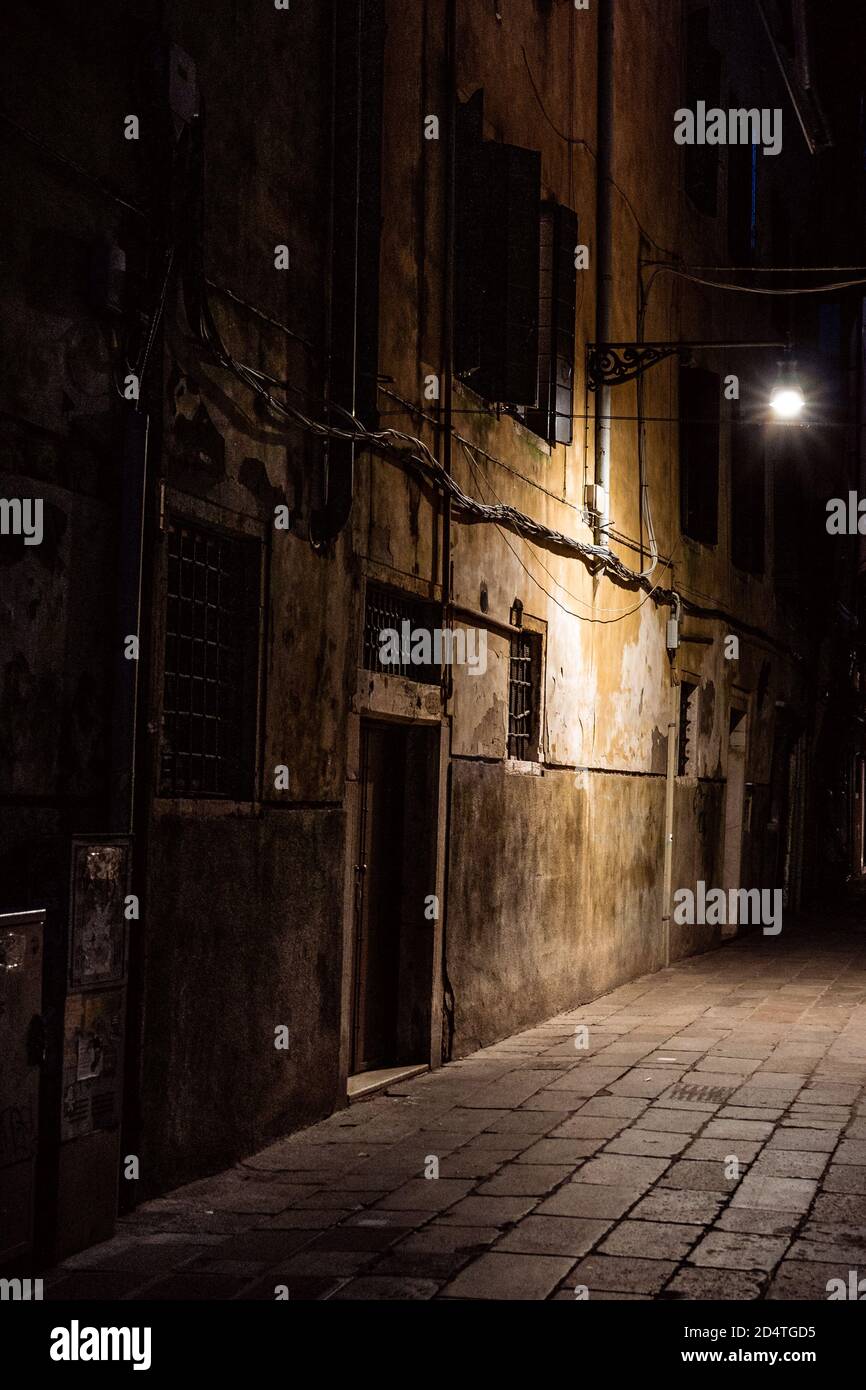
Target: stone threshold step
[[367, 1083]]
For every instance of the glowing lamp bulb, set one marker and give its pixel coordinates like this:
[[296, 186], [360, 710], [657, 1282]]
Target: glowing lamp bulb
[[787, 402]]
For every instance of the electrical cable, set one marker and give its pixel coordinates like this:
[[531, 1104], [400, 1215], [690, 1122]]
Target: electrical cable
[[830, 288], [260, 314], [104, 188], [156, 317], [618, 614]]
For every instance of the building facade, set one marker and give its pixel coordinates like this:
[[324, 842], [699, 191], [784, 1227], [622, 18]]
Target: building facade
[[396, 650]]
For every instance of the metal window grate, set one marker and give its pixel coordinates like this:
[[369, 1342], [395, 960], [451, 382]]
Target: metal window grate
[[522, 696], [210, 634], [386, 610], [687, 713]]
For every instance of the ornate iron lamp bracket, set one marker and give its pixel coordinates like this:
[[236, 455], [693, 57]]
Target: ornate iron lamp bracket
[[611, 364]]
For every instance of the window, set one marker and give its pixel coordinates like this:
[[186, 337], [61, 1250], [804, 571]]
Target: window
[[496, 263], [524, 696], [703, 83], [557, 302], [748, 506], [687, 761], [699, 392], [210, 675], [389, 611], [791, 531], [743, 200]]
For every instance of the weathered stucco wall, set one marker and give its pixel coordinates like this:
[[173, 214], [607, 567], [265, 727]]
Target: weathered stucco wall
[[240, 920], [555, 881], [243, 930], [243, 942], [554, 892]]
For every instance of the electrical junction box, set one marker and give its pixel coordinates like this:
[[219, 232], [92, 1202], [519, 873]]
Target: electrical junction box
[[595, 498]]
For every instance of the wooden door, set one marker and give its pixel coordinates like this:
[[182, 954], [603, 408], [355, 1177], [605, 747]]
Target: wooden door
[[379, 872]]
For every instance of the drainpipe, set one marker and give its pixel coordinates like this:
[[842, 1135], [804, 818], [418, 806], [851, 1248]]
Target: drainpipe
[[448, 314], [130, 579], [670, 782], [446, 437], [339, 457], [604, 259]]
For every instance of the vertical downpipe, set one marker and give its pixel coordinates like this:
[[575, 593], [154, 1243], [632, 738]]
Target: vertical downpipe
[[448, 1002], [670, 783], [672, 644], [448, 306], [604, 254]]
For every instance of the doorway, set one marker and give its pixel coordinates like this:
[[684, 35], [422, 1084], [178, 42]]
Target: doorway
[[858, 811], [395, 910], [734, 804]]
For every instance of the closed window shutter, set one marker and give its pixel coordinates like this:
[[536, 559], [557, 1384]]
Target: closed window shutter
[[470, 233], [557, 306], [509, 371], [497, 260]]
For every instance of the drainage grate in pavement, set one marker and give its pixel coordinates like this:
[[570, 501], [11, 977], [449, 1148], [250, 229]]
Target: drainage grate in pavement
[[710, 1095]]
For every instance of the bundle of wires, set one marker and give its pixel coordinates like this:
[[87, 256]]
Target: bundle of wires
[[401, 448]]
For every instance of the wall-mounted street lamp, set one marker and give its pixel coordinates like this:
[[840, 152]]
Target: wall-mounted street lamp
[[611, 364], [787, 399]]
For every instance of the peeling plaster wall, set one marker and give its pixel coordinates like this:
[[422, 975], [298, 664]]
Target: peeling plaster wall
[[534, 860]]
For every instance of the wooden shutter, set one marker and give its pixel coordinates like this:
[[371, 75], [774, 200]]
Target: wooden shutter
[[509, 367], [556, 309], [497, 259]]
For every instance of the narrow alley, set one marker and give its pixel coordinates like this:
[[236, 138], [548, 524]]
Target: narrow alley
[[602, 1171]]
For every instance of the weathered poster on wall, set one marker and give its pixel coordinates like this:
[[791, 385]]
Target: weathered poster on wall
[[92, 1062], [97, 937]]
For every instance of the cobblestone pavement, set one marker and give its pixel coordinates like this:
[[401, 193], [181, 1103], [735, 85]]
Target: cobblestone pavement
[[609, 1167]]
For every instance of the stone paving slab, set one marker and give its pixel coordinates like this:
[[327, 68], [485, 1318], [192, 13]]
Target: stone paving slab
[[605, 1168]]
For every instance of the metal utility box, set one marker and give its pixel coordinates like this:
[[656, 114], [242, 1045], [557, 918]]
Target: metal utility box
[[91, 1066], [21, 944]]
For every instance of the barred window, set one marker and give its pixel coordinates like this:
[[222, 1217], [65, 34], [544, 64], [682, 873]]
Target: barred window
[[524, 687], [389, 611], [687, 763], [211, 648]]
